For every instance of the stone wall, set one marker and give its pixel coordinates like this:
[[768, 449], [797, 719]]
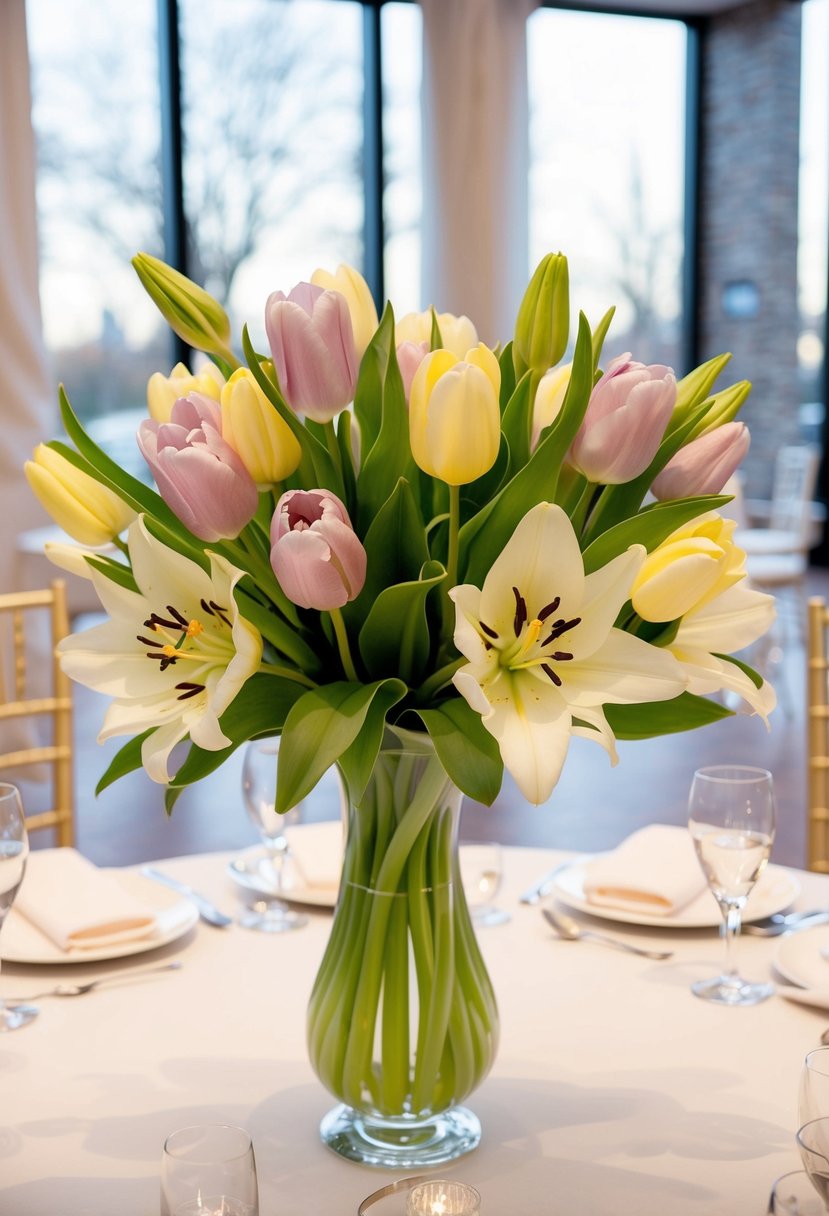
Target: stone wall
[[750, 102]]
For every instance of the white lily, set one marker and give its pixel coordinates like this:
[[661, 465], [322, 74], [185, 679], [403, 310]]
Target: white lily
[[544, 655], [173, 655]]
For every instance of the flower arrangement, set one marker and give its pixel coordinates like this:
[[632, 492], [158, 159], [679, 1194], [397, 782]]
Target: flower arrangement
[[386, 522]]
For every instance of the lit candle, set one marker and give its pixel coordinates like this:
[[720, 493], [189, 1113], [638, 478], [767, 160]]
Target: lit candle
[[441, 1198]]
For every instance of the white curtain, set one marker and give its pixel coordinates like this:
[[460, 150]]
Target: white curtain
[[475, 160], [27, 412]]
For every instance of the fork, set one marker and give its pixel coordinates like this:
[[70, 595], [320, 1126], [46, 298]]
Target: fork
[[81, 989]]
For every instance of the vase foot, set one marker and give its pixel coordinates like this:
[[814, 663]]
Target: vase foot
[[403, 1143]]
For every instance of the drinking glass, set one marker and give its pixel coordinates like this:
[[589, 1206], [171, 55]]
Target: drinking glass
[[209, 1171], [731, 820], [813, 1098], [813, 1142], [14, 850], [259, 791], [482, 872], [794, 1195]]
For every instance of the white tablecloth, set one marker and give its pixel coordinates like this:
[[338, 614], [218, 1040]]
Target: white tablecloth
[[615, 1090]]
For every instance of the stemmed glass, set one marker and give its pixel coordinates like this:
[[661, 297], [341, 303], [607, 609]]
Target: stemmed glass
[[482, 872], [794, 1195], [14, 850], [259, 791], [813, 1142], [813, 1097], [209, 1171], [731, 820]]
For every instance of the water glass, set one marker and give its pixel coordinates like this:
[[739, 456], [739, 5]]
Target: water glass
[[14, 851], [813, 1098], [259, 792], [813, 1142], [438, 1197], [209, 1170], [482, 872], [731, 819]]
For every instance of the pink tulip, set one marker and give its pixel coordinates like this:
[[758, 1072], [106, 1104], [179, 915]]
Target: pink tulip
[[410, 355], [313, 350], [705, 464], [198, 474], [315, 553], [629, 409]]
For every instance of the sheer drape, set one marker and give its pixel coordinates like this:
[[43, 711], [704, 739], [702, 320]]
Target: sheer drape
[[475, 159]]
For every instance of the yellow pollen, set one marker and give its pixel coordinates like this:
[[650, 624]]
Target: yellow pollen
[[194, 629], [169, 651], [530, 638]]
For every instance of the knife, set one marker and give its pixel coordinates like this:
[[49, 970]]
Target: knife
[[544, 885], [206, 910]]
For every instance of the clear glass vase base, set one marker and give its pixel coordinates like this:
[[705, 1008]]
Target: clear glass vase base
[[731, 990], [403, 1143]]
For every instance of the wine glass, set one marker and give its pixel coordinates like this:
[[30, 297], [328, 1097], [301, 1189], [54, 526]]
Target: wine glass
[[209, 1171], [813, 1098], [731, 820], [813, 1142], [14, 850], [482, 872], [259, 791], [794, 1195]]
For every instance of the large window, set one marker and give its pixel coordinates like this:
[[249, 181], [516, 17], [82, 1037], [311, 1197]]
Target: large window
[[402, 201], [813, 219], [607, 114]]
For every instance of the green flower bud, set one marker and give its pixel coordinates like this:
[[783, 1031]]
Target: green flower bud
[[722, 408], [188, 309], [543, 324]]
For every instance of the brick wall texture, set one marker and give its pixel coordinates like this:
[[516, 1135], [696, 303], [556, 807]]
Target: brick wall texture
[[748, 214]]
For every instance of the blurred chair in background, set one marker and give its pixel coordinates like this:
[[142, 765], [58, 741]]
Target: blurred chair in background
[[817, 677], [36, 705]]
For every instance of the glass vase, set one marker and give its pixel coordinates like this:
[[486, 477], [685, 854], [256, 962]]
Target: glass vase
[[402, 1021]]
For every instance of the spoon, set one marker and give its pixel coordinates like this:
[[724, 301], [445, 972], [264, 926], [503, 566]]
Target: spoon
[[80, 989], [571, 931]]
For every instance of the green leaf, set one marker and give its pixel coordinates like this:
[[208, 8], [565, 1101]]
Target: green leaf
[[599, 335], [436, 338], [387, 456], [649, 527], [648, 719], [466, 749], [396, 549], [127, 760], [260, 708], [516, 423], [485, 535], [280, 634], [116, 571], [319, 728], [695, 387], [358, 760], [507, 375], [754, 676], [395, 639]]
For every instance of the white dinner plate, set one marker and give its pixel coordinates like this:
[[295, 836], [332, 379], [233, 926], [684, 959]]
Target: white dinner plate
[[776, 889], [23, 942], [250, 871], [800, 959]]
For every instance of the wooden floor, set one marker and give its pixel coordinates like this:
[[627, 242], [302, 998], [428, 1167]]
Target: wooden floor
[[593, 807]]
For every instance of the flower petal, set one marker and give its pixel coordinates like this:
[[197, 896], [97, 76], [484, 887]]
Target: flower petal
[[624, 670]]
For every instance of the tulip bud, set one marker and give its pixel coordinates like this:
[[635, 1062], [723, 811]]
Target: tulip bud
[[198, 474], [454, 417], [361, 307], [164, 391], [90, 512], [410, 355], [626, 418], [255, 430], [691, 567], [312, 343], [704, 465], [549, 398], [457, 334], [315, 554], [723, 407], [188, 309], [542, 327]]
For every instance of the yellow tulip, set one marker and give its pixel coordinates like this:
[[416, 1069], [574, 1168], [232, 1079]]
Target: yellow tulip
[[90, 512], [690, 568], [361, 307], [454, 417], [458, 334], [163, 391], [549, 398], [255, 430]]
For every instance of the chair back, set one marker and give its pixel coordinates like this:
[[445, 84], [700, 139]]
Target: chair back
[[37, 700], [795, 478], [817, 682]]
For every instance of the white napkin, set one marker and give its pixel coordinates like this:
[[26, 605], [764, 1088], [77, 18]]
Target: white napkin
[[655, 871], [79, 907], [316, 850]]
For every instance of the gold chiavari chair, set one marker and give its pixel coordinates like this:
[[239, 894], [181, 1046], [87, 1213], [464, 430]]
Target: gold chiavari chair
[[817, 679], [36, 697]]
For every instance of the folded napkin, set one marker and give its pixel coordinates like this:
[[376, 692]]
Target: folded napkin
[[316, 851], [654, 871], [79, 907]]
